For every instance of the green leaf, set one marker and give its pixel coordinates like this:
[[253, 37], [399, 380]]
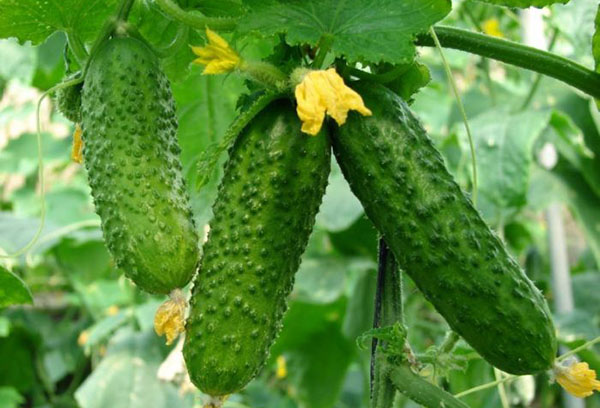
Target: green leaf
[[523, 3], [504, 154], [126, 377], [340, 208], [36, 20], [596, 41], [10, 398], [569, 142], [585, 204], [362, 30], [210, 157], [13, 290], [157, 29], [360, 309], [586, 287], [18, 62], [317, 353]]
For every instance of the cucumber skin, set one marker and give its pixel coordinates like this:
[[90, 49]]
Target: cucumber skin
[[132, 159], [68, 101], [263, 216], [439, 238]]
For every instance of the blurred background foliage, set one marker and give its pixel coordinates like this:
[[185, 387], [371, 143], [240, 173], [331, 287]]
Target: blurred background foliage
[[87, 340]]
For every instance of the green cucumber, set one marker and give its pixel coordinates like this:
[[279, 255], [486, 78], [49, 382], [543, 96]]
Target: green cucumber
[[131, 155], [68, 100], [439, 238], [263, 215]]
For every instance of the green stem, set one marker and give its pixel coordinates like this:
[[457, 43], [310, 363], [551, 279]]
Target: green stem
[[420, 390], [538, 78], [181, 37], [578, 349], [265, 73], [449, 342], [486, 386], [519, 55], [388, 310], [77, 47], [325, 43], [196, 21], [461, 108], [124, 10]]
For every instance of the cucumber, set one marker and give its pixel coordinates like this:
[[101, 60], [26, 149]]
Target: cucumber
[[131, 155], [439, 238], [68, 100], [263, 215]]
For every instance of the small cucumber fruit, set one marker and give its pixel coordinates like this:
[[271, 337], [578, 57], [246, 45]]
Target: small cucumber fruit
[[68, 100], [439, 238], [131, 155], [264, 213]]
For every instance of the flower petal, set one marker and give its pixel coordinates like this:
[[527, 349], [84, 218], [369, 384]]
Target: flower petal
[[217, 55], [322, 92]]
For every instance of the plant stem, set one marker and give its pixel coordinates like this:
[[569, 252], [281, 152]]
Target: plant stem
[[77, 47], [388, 310], [325, 43], [578, 349], [420, 390], [196, 21], [486, 386], [519, 55], [449, 342], [124, 10]]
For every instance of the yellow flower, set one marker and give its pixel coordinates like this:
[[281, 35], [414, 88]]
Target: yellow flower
[[492, 27], [83, 337], [577, 378], [217, 55], [170, 316], [112, 310], [281, 367], [77, 150], [323, 92]]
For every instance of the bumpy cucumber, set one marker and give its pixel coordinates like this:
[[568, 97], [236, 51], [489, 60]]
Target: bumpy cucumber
[[131, 155], [439, 238], [68, 100], [263, 215]]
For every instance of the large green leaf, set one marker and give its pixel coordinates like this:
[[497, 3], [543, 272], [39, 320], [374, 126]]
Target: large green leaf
[[13, 290], [318, 353], [504, 154], [361, 30], [35, 20], [126, 377], [524, 3]]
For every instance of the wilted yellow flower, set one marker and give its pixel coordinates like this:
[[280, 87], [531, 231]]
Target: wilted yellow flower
[[170, 316], [77, 150], [323, 92], [281, 367], [492, 27], [217, 55], [577, 378]]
